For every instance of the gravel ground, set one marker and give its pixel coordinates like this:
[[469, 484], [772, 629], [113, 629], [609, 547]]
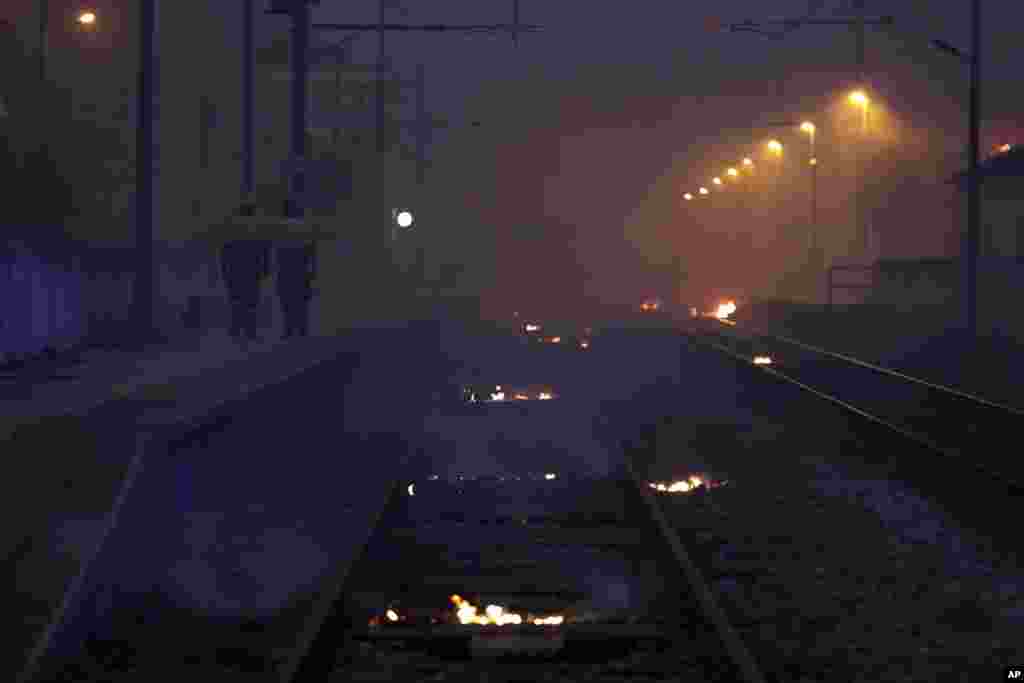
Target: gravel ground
[[829, 570]]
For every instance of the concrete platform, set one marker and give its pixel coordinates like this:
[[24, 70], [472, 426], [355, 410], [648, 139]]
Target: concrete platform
[[248, 485]]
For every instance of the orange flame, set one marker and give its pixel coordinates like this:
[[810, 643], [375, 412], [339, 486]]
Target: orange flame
[[495, 615], [724, 310], [683, 485]]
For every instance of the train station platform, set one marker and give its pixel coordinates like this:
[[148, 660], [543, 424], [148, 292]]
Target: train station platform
[[217, 482]]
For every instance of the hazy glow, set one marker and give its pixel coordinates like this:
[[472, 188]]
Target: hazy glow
[[807, 127], [747, 161], [703, 190], [716, 180], [859, 97], [733, 172], [87, 18], [775, 146], [687, 196]]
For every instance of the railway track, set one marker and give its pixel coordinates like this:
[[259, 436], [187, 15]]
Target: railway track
[[537, 579], [957, 425]]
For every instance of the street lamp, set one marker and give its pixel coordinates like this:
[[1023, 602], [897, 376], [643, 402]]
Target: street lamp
[[775, 147], [812, 162], [732, 173], [687, 196], [748, 162], [716, 180], [86, 18], [860, 99], [703, 190]]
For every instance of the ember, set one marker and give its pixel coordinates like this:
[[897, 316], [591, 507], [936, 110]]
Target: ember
[[725, 310], [687, 485], [495, 615]]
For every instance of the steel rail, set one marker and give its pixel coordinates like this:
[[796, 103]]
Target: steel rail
[[734, 645], [941, 388], [916, 437]]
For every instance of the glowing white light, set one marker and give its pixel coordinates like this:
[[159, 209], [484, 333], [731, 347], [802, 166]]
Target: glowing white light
[[392, 615], [403, 219], [412, 489], [550, 475]]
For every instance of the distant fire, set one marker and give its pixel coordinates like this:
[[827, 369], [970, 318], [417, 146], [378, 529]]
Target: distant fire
[[495, 615], [685, 485], [500, 395], [724, 310]]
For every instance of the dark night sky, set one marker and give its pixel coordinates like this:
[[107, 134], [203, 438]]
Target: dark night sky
[[593, 128]]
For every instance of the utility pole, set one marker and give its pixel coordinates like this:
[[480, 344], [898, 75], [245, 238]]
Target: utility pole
[[44, 38], [424, 126], [300, 105], [974, 169], [146, 160], [383, 67], [248, 131], [861, 228]]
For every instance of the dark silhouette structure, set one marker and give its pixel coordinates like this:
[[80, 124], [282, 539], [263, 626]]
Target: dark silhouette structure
[[296, 271], [244, 264]]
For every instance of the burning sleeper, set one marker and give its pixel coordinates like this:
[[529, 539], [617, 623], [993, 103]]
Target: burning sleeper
[[687, 485], [495, 615]]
